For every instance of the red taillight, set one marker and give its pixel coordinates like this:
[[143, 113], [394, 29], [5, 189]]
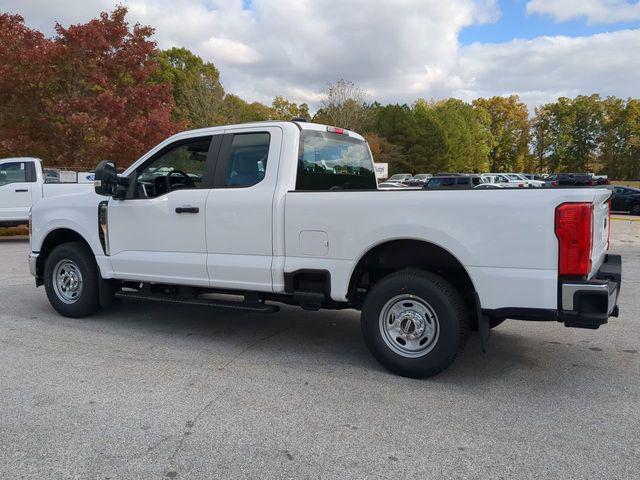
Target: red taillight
[[574, 229], [339, 131], [554, 184]]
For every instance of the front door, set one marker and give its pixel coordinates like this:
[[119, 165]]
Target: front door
[[157, 234], [16, 184], [240, 209]]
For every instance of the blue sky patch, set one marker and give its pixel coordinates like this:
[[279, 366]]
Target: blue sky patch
[[515, 23]]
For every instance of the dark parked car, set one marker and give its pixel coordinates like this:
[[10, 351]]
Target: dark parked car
[[625, 199], [569, 180], [453, 182]]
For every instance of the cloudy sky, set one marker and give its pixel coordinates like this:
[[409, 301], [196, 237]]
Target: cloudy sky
[[398, 50]]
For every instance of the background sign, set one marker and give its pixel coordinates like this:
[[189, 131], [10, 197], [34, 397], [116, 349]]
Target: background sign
[[382, 170]]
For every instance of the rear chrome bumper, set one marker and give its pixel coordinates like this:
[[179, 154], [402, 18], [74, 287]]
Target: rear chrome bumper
[[589, 304]]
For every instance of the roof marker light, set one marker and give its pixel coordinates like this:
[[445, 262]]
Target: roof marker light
[[339, 131]]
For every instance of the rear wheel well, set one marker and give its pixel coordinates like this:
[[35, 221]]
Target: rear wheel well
[[52, 240], [396, 255]]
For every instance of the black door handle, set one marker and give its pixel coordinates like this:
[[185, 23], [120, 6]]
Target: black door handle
[[21, 190], [187, 210]]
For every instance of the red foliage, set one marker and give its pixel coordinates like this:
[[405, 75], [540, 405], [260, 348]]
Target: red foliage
[[83, 96]]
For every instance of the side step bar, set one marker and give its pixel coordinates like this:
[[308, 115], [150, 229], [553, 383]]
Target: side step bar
[[255, 307]]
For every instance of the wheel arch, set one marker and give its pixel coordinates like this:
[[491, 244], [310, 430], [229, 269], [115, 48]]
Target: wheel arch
[[55, 237], [392, 255]]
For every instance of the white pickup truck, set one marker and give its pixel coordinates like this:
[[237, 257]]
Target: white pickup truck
[[22, 183], [289, 212]]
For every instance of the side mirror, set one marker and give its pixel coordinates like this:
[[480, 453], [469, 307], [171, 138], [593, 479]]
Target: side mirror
[[107, 182]]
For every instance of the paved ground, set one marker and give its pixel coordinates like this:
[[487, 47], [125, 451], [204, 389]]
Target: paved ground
[[156, 392]]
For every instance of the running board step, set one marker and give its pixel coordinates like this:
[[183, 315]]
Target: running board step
[[203, 302]]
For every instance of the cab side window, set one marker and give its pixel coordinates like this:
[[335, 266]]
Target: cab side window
[[244, 161], [179, 166], [13, 172]]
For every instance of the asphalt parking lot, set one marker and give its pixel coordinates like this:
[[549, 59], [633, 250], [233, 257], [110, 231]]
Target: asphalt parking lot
[[147, 391]]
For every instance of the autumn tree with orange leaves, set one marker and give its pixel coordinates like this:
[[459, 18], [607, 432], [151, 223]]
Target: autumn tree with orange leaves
[[84, 95]]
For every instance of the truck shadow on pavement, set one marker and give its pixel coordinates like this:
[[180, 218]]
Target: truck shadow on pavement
[[322, 342]]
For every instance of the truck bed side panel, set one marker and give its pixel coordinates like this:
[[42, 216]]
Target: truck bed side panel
[[504, 239]]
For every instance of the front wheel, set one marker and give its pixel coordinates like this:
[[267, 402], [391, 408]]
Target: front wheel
[[71, 280], [415, 323]]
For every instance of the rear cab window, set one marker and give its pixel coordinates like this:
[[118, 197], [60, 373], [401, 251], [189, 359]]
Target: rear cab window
[[331, 161]]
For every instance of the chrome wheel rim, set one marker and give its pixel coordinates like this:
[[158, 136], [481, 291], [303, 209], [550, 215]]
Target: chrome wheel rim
[[67, 281], [409, 326]]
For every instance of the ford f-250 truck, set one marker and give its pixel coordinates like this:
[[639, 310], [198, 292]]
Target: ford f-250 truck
[[22, 183], [290, 212]]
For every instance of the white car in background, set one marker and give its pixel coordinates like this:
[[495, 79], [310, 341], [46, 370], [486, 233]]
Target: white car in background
[[391, 185], [510, 180], [528, 181], [400, 178]]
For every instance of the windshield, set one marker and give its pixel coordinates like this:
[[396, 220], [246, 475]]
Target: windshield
[[515, 176], [330, 161]]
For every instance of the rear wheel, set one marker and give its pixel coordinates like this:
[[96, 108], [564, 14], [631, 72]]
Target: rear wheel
[[415, 323], [635, 209], [71, 280]]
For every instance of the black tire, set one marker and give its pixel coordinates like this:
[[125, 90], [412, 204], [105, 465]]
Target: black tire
[[493, 323], [635, 209], [87, 300], [451, 322]]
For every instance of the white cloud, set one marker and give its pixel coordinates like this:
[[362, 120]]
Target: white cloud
[[545, 68], [231, 52], [397, 50], [594, 11]]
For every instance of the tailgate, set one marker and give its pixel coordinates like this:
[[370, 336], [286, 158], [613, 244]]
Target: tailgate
[[601, 227]]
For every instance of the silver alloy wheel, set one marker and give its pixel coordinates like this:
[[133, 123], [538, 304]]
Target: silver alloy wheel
[[409, 326], [67, 281]]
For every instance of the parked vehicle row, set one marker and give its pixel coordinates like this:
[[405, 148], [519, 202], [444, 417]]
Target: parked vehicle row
[[504, 180]]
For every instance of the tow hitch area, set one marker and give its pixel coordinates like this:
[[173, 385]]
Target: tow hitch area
[[589, 304]]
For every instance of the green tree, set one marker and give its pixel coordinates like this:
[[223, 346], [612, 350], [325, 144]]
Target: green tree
[[345, 105], [417, 135], [573, 131], [197, 91], [283, 109], [541, 138], [467, 139], [620, 138], [585, 132], [510, 131]]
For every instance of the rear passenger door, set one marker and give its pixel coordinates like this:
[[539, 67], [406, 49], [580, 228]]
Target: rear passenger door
[[239, 213]]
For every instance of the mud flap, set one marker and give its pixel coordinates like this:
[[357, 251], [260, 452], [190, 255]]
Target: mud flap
[[483, 325]]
